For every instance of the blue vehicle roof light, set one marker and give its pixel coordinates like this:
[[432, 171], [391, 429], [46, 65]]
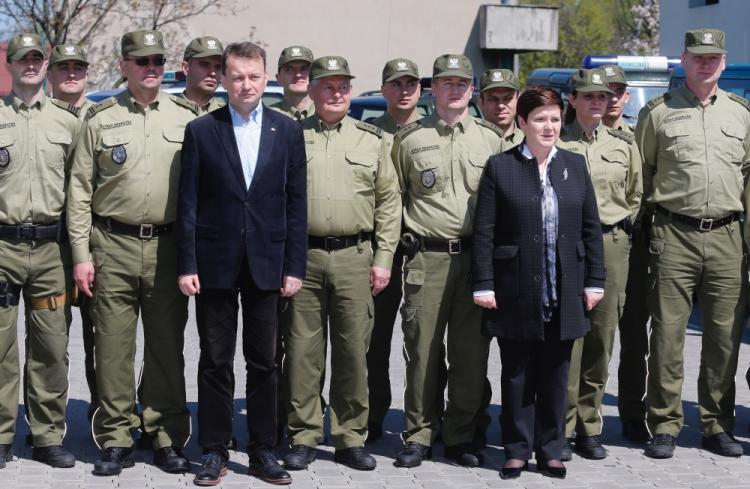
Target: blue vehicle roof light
[[631, 63]]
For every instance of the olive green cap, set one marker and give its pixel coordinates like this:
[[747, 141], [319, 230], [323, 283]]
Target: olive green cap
[[705, 41], [68, 52], [615, 74], [25, 43], [396, 68], [295, 53], [498, 79], [142, 43], [329, 66], [590, 81], [203, 47], [452, 65]]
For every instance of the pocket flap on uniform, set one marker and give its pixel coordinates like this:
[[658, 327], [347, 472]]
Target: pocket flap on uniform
[[615, 157], [581, 249], [478, 160], [733, 131], [174, 135], [414, 277], [674, 130], [363, 159], [504, 252], [117, 138], [59, 138], [7, 140]]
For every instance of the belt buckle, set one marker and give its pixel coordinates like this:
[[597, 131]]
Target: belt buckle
[[26, 230], [146, 231], [706, 224], [330, 243], [454, 246]]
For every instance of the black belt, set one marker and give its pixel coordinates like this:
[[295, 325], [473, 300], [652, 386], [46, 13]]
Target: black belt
[[28, 230], [451, 246], [703, 224], [333, 243], [607, 228], [141, 231]]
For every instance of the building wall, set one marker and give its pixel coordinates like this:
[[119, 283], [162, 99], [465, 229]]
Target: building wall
[[366, 32], [731, 16]]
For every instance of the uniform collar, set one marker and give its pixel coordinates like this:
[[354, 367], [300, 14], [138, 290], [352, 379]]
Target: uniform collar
[[321, 126], [138, 106], [19, 104], [693, 99], [461, 125], [575, 130]]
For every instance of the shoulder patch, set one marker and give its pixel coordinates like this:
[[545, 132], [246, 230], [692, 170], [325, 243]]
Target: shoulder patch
[[104, 104], [408, 129], [625, 136], [65, 106], [489, 125], [185, 103], [740, 100], [655, 102], [365, 126]]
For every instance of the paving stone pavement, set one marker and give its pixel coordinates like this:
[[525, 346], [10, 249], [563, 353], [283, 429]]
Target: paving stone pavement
[[625, 467]]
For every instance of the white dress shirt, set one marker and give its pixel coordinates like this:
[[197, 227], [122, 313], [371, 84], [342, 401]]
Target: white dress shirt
[[247, 134]]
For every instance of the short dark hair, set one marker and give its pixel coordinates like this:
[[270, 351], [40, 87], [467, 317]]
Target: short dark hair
[[244, 49], [534, 97]]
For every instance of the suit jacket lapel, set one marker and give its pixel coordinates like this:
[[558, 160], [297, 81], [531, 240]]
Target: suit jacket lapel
[[229, 143], [267, 136]]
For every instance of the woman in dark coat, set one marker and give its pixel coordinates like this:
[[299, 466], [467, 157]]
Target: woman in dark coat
[[537, 268]]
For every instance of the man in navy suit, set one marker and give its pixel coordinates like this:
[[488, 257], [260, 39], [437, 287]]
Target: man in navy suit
[[242, 227]]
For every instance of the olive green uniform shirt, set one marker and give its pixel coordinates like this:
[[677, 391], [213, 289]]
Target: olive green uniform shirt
[[84, 108], [351, 185], [126, 165], [299, 115], [615, 168], [439, 168], [35, 143], [694, 157], [213, 104], [513, 139]]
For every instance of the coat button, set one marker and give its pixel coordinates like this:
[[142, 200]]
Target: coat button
[[537, 278], [536, 238]]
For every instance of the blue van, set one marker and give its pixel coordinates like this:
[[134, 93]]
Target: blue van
[[736, 79]]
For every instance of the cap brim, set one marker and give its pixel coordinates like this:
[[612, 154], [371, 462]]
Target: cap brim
[[398, 75], [296, 58], [206, 54], [150, 51], [706, 50], [596, 88], [68, 58], [499, 85], [24, 51], [457, 73], [332, 73]]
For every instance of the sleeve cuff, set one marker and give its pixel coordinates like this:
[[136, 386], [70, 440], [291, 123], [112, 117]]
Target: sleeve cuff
[[383, 259], [481, 293], [594, 290], [81, 254]]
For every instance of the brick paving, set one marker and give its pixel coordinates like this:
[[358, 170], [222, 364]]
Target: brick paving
[[625, 467]]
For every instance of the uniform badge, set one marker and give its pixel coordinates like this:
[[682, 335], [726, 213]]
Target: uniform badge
[[332, 64], [708, 38], [402, 66], [4, 157], [609, 71], [428, 178], [27, 41], [211, 43], [497, 76], [296, 52], [596, 79], [70, 50], [149, 39], [453, 62], [119, 155]]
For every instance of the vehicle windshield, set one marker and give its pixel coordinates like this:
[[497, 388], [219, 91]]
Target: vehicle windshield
[[639, 96]]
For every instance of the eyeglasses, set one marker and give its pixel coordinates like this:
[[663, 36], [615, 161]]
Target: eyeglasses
[[146, 60]]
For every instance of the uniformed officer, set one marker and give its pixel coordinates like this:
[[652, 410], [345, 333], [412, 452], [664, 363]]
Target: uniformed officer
[[631, 373], [123, 182], [401, 90], [36, 138], [201, 65], [439, 160], [615, 167], [695, 144], [498, 95], [352, 192], [68, 76], [294, 76]]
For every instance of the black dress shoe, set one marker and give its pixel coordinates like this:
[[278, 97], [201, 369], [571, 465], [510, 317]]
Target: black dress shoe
[[6, 455], [590, 447], [513, 472], [213, 468], [635, 430], [566, 455], [374, 432], [661, 446], [412, 455], [723, 444], [113, 460], [54, 456], [465, 455], [264, 466], [170, 459], [553, 472], [356, 458], [299, 457]]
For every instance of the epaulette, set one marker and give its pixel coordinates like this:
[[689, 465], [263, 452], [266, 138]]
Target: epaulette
[[489, 125], [740, 100], [654, 102], [408, 129], [69, 107], [625, 136], [183, 102], [366, 126], [104, 104]]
